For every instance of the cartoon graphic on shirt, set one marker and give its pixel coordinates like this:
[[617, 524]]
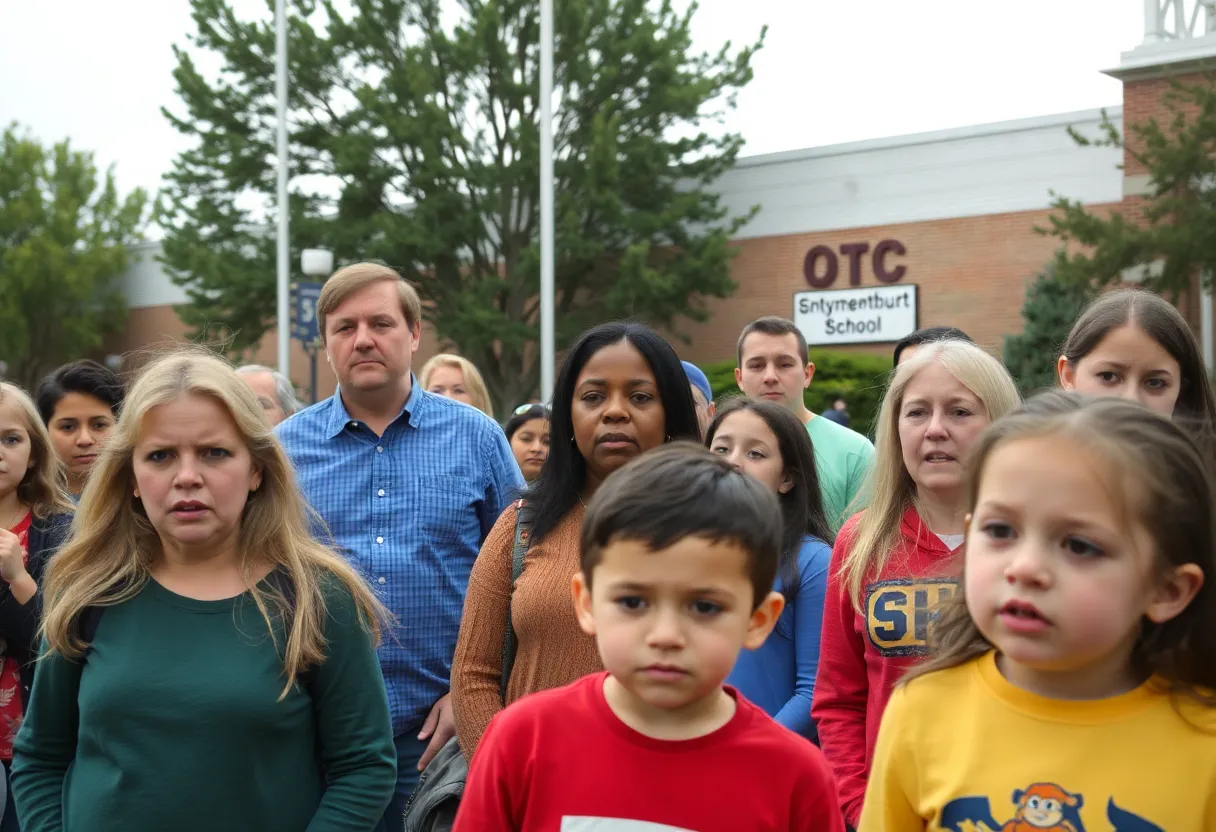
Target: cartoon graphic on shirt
[[898, 613], [1041, 807]]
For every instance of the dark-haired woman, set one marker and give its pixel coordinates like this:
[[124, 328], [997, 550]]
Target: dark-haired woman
[[528, 432], [768, 442], [620, 392], [79, 404]]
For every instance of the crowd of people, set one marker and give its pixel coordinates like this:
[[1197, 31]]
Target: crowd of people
[[637, 606]]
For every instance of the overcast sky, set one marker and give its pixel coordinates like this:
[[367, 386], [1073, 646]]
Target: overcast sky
[[830, 71]]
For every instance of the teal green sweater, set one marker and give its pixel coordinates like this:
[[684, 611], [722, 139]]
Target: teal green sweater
[[173, 722]]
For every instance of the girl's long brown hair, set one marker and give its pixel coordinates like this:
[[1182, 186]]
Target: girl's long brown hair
[[1168, 489], [113, 545], [1161, 321], [44, 488]]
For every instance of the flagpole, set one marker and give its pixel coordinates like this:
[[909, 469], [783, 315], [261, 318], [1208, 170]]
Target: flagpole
[[547, 299], [283, 270]]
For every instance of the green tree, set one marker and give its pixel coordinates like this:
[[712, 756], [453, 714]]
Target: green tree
[[1048, 313], [63, 246], [1175, 229], [414, 141]]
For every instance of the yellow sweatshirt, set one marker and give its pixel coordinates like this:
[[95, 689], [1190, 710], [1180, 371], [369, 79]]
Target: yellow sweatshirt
[[964, 750]]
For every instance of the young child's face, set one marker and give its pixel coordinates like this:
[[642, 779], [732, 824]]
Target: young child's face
[[670, 623], [1059, 573]]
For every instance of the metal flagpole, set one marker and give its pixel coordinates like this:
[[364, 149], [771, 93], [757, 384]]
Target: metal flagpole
[[547, 300], [283, 269]]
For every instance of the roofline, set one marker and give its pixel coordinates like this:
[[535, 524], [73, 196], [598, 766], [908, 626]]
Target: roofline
[[932, 137]]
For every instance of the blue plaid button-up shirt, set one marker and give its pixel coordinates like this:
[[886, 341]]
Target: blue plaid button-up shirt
[[410, 510]]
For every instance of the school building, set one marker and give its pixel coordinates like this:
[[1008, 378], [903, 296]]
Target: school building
[[862, 243]]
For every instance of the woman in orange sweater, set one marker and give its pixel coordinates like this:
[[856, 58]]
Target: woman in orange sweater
[[621, 391]]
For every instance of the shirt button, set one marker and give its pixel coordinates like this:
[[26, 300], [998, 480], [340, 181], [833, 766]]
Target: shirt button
[[379, 449], [380, 492], [379, 539], [381, 579]]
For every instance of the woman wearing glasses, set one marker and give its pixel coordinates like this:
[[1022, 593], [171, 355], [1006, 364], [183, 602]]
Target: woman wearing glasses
[[528, 432]]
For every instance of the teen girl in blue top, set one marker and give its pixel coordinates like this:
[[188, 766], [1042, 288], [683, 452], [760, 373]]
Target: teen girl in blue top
[[769, 443]]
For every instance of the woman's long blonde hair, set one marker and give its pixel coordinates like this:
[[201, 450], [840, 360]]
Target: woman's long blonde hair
[[44, 488], [114, 546], [889, 488], [472, 379]]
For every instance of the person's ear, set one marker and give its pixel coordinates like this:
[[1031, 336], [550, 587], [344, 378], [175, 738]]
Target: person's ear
[[1066, 374], [810, 374], [1175, 593], [787, 484], [738, 378], [581, 592], [763, 620]]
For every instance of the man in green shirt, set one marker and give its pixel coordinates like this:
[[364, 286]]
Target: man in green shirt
[[774, 365]]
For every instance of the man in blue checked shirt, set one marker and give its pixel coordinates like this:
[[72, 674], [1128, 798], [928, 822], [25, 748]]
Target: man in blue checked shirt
[[409, 484]]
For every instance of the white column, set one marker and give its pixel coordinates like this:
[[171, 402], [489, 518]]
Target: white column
[[1153, 21], [547, 299], [283, 289]]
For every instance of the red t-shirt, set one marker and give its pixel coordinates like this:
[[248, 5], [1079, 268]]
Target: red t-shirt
[[561, 761], [10, 676], [861, 657]]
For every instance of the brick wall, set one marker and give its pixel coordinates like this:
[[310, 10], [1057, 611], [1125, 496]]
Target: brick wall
[[972, 273], [1143, 100]]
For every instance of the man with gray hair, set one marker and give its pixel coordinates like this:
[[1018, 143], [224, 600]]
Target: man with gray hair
[[273, 389]]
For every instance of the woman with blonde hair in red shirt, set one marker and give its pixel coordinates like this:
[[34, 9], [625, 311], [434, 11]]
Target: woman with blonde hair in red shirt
[[895, 560]]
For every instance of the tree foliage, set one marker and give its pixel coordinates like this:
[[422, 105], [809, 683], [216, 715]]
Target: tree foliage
[[415, 141], [63, 246], [1048, 312], [1175, 229]]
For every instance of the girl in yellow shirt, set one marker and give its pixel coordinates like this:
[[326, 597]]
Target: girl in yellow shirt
[[1071, 682]]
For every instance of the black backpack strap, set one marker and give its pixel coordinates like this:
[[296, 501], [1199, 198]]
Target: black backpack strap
[[86, 624], [523, 536], [90, 617]]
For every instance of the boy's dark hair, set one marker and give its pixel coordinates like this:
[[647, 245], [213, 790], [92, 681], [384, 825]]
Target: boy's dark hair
[[682, 490], [773, 325], [928, 335], [85, 377]]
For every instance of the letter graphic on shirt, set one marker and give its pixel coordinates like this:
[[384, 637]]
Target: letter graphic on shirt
[[1041, 807], [898, 613], [585, 824]]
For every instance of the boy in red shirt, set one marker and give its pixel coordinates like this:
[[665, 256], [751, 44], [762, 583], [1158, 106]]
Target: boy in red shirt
[[679, 556]]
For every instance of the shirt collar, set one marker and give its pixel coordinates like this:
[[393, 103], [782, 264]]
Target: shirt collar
[[339, 417]]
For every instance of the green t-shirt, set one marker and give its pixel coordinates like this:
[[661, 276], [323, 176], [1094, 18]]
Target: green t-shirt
[[173, 721], [842, 461]]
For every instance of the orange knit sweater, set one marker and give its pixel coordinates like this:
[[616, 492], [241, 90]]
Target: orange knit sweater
[[553, 650]]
